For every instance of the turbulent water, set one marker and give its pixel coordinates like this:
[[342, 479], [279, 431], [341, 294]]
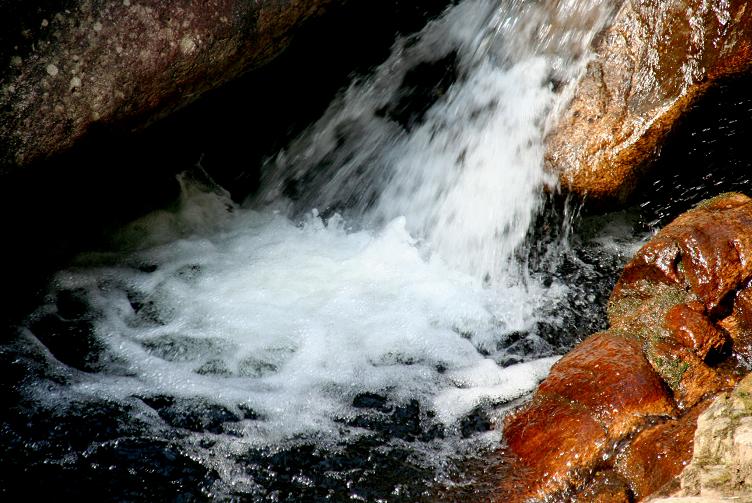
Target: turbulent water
[[353, 329]]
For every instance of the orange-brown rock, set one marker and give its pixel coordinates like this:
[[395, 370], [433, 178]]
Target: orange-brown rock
[[671, 314], [739, 324], [608, 375], [674, 288], [688, 376], [655, 60], [657, 455], [550, 444], [691, 328], [605, 487], [707, 250], [593, 397]]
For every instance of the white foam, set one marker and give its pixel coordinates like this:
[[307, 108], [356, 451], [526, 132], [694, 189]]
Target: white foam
[[302, 318]]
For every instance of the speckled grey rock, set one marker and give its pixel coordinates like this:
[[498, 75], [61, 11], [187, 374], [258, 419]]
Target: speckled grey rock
[[123, 63]]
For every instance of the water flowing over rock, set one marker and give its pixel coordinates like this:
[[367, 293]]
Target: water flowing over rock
[[617, 414], [123, 63], [655, 60]]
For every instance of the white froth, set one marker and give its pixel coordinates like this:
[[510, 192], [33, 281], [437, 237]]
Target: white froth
[[296, 320]]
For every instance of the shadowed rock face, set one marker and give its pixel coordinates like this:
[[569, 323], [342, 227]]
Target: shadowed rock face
[[616, 416], [123, 63], [650, 66]]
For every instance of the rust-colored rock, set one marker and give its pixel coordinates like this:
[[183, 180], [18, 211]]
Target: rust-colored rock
[[671, 315], [121, 63], [739, 324], [707, 250], [605, 487], [655, 60], [550, 444], [658, 454], [608, 375], [691, 328], [674, 288], [593, 397]]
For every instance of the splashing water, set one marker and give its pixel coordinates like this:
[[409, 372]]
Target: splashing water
[[467, 174], [369, 288]]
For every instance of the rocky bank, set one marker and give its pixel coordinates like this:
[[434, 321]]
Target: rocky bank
[[615, 419]]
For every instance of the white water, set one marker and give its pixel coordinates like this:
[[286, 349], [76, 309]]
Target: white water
[[413, 293], [296, 320], [469, 178]]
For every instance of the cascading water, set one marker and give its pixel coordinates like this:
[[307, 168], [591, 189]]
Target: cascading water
[[358, 321]]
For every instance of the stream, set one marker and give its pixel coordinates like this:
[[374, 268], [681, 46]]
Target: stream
[[355, 328]]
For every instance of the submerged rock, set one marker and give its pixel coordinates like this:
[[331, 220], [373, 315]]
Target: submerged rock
[[122, 63], [617, 414], [655, 60]]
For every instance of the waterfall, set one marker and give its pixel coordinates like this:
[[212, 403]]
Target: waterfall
[[467, 173], [369, 288]]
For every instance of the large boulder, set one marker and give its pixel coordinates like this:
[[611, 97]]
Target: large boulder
[[655, 60], [618, 413], [122, 63]]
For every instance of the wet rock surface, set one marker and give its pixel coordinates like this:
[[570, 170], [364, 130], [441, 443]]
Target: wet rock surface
[[658, 454], [617, 414], [593, 397], [651, 65], [102, 64]]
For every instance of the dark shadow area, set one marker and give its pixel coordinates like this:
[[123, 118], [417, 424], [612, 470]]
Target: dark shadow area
[[708, 153]]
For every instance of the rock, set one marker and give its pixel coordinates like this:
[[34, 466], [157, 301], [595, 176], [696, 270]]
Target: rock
[[624, 403], [655, 60], [608, 376], [544, 458], [691, 328], [120, 64], [721, 465], [695, 252], [658, 454], [679, 285], [605, 487], [739, 324], [594, 396]]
